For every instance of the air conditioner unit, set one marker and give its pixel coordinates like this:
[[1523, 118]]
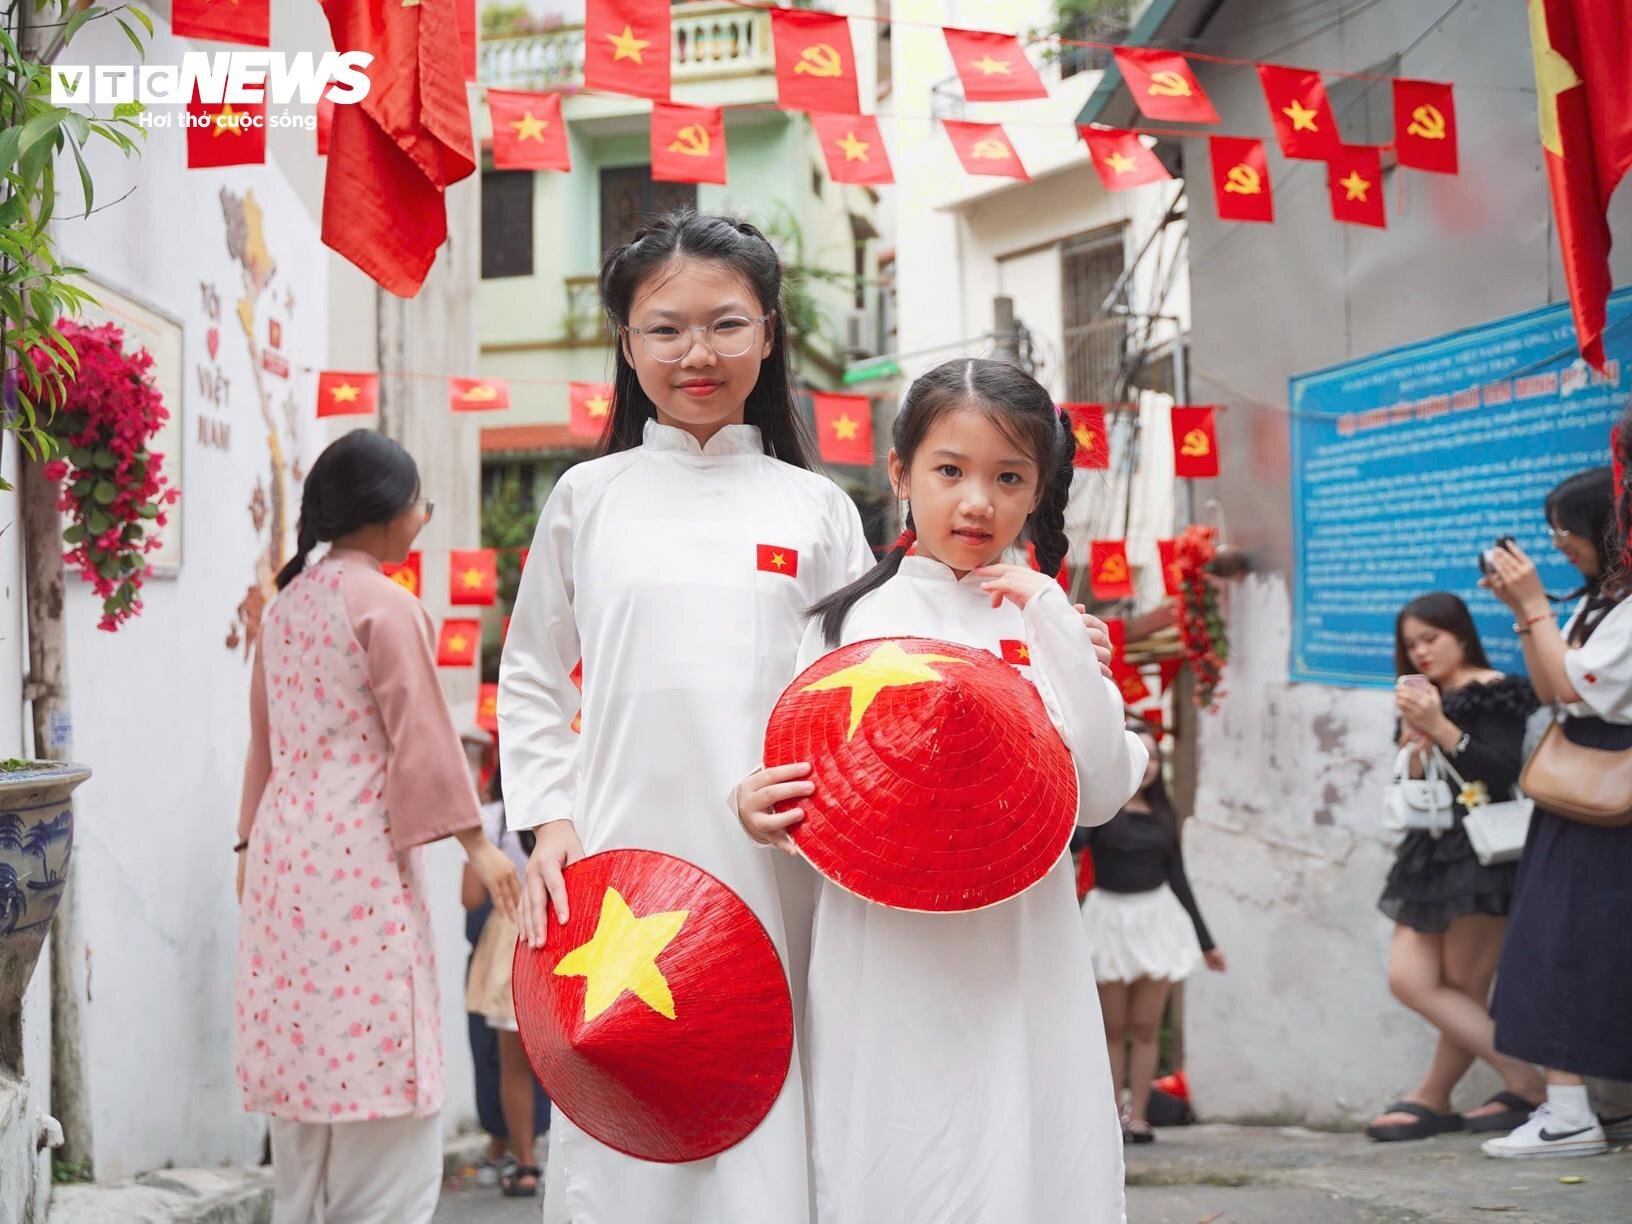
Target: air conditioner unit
[[855, 334]]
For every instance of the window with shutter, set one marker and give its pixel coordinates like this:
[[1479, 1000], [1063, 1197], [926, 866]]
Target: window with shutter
[[507, 223]]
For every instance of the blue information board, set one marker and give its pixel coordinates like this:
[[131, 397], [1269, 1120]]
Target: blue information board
[[1408, 463]]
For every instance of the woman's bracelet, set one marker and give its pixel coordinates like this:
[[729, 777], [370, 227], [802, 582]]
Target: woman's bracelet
[[1522, 628], [241, 846]]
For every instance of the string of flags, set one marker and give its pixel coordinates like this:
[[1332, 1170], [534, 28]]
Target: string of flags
[[627, 51]]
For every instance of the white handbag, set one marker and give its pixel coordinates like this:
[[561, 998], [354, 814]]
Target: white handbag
[[1497, 830], [1420, 804]]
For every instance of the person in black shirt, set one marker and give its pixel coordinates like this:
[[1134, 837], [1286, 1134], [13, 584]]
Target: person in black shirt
[[1145, 931], [1449, 910]]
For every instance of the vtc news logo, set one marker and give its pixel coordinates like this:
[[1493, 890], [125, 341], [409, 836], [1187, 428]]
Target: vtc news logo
[[243, 77]]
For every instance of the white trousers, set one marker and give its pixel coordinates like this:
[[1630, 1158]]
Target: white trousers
[[387, 1171]]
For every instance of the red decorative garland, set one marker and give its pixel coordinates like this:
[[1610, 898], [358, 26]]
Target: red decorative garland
[[1201, 626], [106, 413]]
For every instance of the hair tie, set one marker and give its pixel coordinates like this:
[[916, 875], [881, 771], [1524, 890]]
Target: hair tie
[[905, 540]]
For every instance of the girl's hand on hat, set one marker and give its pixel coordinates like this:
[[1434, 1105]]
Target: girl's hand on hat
[[1016, 583], [498, 875], [556, 847], [1100, 636], [756, 799]]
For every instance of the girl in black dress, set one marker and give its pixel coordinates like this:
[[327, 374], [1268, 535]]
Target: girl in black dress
[[1448, 909]]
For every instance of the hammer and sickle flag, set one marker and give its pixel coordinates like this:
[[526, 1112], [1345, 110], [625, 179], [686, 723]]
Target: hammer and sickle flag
[[815, 62], [1195, 442], [1425, 125], [408, 574], [1163, 85], [985, 149], [1241, 190], [478, 394], [688, 143], [658, 1016], [1088, 428], [1109, 576]]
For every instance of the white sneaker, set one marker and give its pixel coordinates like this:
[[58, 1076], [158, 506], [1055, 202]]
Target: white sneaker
[[1543, 1135], [1617, 1129]]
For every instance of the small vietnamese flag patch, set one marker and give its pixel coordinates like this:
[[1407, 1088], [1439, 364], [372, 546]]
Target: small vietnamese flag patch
[[1015, 652], [774, 559], [407, 574]]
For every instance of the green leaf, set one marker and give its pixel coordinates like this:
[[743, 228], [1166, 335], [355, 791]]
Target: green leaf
[[104, 460], [47, 123], [104, 492], [79, 19], [135, 39], [84, 177], [149, 511], [147, 22], [9, 142], [74, 533], [129, 110], [98, 522]]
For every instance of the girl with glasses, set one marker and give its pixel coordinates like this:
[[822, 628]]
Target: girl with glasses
[[676, 567]]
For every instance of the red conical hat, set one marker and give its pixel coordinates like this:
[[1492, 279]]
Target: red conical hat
[[941, 784], [658, 1018]]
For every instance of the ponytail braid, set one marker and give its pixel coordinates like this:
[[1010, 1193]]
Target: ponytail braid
[[1045, 527], [305, 541], [837, 606]]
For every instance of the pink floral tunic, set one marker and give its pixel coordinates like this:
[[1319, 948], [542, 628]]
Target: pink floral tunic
[[353, 762]]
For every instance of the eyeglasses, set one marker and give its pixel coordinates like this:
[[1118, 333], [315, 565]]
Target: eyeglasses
[[729, 337], [1559, 534], [429, 507]]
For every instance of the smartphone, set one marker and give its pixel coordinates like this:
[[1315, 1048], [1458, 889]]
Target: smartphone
[[1414, 681]]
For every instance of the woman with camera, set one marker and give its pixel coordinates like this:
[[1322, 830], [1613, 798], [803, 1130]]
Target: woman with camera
[[1448, 908], [1564, 1000]]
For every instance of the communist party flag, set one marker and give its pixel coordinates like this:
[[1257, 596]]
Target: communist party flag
[[1354, 178], [1167, 550], [1241, 189], [1195, 441], [408, 574], [1130, 681], [626, 47], [589, 404], [1122, 159], [478, 394], [487, 707], [346, 394], [473, 576], [844, 428], [527, 131], [1583, 64], [240, 21], [688, 143], [325, 124], [1425, 125], [1304, 125], [393, 154], [815, 62], [992, 67], [1108, 574], [1093, 442], [457, 642], [1163, 85], [984, 148], [854, 148], [225, 135]]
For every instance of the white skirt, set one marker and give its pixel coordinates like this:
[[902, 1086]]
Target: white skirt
[[1140, 935]]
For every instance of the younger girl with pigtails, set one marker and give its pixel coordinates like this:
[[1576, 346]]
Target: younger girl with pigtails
[[946, 1077]]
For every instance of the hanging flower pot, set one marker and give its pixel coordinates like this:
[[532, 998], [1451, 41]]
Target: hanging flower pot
[[36, 841]]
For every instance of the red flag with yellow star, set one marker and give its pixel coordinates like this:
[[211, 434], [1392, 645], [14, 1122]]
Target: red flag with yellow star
[[527, 131], [992, 67], [844, 428], [1425, 125], [1130, 681], [1354, 179], [687, 143], [225, 134], [1088, 428], [458, 643], [1304, 125], [776, 559], [1122, 159], [1195, 441], [590, 405], [1015, 651], [241, 21], [1241, 188], [473, 576], [1109, 576], [1167, 551], [815, 61], [1164, 86], [941, 784], [342, 393], [408, 574], [984, 148], [487, 707], [478, 394], [657, 1017], [854, 149], [1583, 62], [626, 47]]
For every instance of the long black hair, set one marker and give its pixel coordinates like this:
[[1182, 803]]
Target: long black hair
[[743, 249], [1447, 613], [361, 478], [1618, 582], [1584, 506], [1023, 410]]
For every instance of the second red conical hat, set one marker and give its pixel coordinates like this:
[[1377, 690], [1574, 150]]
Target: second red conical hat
[[658, 1017], [941, 784]]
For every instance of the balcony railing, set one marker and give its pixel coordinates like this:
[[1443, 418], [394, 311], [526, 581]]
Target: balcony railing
[[710, 40]]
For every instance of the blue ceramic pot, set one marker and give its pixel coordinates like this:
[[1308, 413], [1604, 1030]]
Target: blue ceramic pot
[[36, 841]]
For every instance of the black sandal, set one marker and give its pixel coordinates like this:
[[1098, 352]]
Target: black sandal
[[1516, 1114], [1427, 1124], [510, 1184]]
